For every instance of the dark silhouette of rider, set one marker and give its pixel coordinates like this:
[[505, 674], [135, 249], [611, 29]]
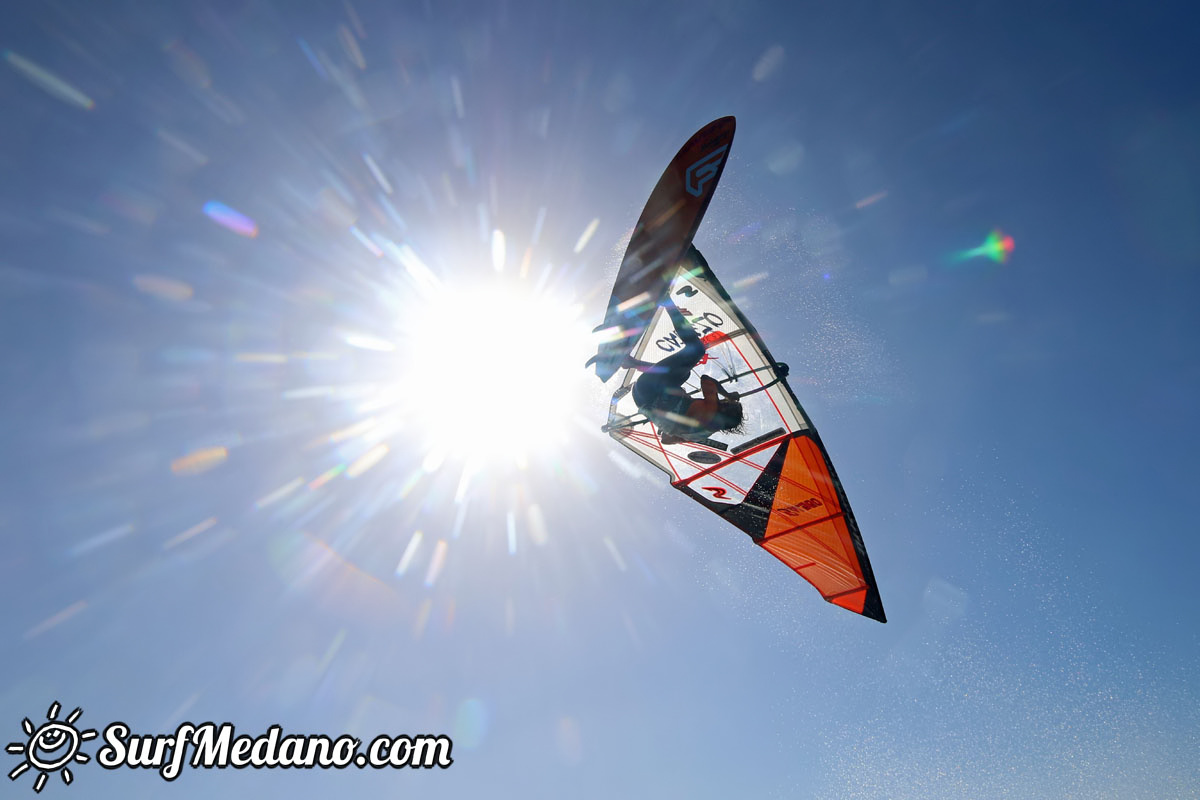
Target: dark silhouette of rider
[[660, 395]]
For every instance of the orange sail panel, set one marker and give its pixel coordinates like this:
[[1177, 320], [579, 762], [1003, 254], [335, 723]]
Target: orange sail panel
[[807, 528]]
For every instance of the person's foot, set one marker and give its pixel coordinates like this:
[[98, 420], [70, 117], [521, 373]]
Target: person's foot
[[669, 303]]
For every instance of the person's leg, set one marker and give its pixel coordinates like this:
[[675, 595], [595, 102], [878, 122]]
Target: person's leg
[[668, 375], [680, 323], [647, 390], [693, 348]]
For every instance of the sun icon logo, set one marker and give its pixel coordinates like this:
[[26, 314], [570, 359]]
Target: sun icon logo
[[52, 746]]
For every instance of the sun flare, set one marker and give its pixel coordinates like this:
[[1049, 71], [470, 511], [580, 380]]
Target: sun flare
[[492, 370]]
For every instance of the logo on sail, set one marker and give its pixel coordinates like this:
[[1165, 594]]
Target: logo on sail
[[704, 170]]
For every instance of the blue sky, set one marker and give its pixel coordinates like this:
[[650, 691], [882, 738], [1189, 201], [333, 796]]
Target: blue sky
[[229, 495]]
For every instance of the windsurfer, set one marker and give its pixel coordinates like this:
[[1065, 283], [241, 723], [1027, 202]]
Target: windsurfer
[[660, 395]]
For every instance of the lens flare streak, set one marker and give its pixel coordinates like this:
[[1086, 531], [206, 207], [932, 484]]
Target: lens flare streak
[[410, 551], [195, 530], [231, 219], [56, 619], [587, 235], [997, 246], [48, 82], [436, 562], [199, 461]]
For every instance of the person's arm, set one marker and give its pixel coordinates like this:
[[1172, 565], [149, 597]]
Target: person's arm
[[711, 391], [712, 388]]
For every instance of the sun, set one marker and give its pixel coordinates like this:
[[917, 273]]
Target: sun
[[51, 747], [492, 369]]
